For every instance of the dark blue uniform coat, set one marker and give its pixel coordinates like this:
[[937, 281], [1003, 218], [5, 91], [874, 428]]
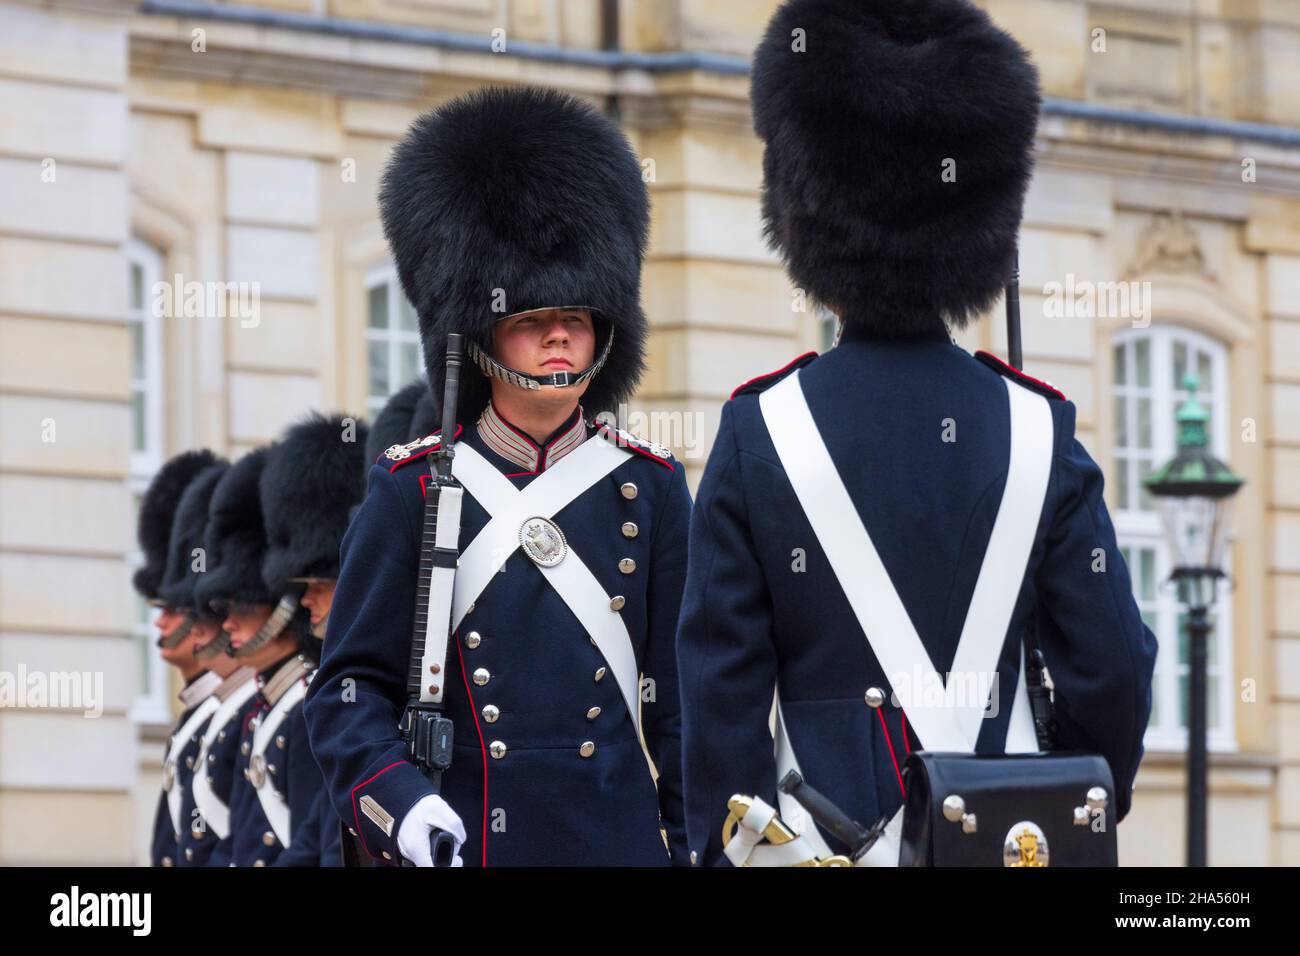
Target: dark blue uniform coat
[[754, 615], [542, 802], [293, 771]]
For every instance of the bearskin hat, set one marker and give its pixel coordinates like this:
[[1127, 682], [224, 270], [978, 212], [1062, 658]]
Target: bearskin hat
[[157, 511], [235, 537], [181, 579], [898, 142]]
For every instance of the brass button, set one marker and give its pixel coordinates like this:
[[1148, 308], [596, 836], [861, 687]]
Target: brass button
[[695, 858], [212, 758], [600, 674], [498, 749], [875, 697], [189, 854], [629, 529], [628, 489], [189, 762], [244, 748], [593, 713], [616, 602], [279, 741], [473, 639], [387, 855], [268, 838], [259, 863], [482, 676], [270, 768], [196, 833], [221, 737], [167, 861], [587, 749], [491, 713], [627, 565]]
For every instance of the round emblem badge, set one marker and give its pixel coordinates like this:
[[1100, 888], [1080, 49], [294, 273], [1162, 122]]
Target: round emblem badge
[[543, 541], [257, 770]]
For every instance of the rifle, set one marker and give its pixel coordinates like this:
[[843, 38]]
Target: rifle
[[427, 732], [1040, 698]]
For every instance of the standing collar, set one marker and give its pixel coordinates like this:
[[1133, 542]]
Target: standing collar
[[512, 444], [199, 688]]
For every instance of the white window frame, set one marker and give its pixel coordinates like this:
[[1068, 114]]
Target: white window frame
[[150, 705], [1143, 529], [394, 337]]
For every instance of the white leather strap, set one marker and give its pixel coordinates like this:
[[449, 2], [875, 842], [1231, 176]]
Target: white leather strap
[[950, 725], [545, 496], [437, 625], [274, 805], [1007, 555], [216, 815], [177, 792], [509, 507]]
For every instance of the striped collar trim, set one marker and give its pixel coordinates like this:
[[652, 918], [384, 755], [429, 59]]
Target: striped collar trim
[[196, 690], [513, 445]]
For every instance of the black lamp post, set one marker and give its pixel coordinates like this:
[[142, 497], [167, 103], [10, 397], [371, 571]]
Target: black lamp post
[[1193, 490]]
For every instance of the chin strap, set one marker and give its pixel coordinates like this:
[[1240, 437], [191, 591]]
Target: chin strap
[[218, 645], [181, 632], [275, 624], [533, 382]]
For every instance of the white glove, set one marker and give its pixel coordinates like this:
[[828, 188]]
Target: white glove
[[413, 835]]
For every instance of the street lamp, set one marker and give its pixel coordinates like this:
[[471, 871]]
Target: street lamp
[[1193, 489]]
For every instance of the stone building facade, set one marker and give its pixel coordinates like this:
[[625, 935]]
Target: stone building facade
[[190, 255]]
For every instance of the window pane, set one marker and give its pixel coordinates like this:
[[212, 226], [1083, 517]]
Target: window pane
[[379, 307], [1143, 361], [1144, 423], [146, 657], [138, 429], [1180, 365], [1121, 485], [1121, 421], [408, 362], [405, 313], [137, 287], [378, 368], [1144, 496], [1118, 354], [1184, 701], [137, 350], [1203, 371], [1148, 575]]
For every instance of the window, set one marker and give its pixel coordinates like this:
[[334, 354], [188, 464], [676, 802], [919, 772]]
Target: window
[[1148, 370], [393, 353], [144, 264]]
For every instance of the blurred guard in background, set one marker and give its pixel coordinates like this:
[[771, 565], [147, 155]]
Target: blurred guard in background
[[313, 480], [204, 812], [276, 780], [176, 640]]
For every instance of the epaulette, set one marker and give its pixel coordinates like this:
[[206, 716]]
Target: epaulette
[[758, 384], [625, 439], [1046, 389], [400, 454]]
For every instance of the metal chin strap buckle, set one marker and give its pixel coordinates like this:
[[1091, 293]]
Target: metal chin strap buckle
[[561, 379]]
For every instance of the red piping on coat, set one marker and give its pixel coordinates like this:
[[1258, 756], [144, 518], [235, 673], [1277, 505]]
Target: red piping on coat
[[482, 748], [898, 773], [357, 819], [759, 378]]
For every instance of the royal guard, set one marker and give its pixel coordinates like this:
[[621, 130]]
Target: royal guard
[[896, 509], [518, 220], [276, 781], [204, 816], [177, 639], [312, 482]]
